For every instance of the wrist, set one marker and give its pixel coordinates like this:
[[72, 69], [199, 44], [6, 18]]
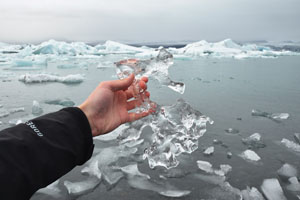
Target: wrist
[[94, 129]]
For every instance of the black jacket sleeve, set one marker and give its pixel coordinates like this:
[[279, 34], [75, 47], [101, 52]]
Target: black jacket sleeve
[[34, 154]]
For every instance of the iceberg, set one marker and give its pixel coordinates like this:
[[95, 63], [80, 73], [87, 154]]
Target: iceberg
[[41, 78], [291, 145], [272, 189], [250, 155]]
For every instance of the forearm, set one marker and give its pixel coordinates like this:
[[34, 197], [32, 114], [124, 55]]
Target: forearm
[[34, 154]]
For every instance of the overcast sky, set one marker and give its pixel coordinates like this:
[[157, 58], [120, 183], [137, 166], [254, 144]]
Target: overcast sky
[[149, 20]]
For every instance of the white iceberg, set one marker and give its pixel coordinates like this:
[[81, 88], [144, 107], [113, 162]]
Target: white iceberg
[[40, 78]]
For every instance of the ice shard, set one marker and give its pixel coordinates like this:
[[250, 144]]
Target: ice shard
[[36, 108], [177, 129], [287, 171], [252, 194], [291, 145], [82, 187], [250, 155]]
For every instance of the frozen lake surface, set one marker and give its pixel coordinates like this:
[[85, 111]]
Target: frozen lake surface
[[251, 93]]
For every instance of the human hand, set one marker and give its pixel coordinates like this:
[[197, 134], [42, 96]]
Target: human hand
[[107, 106]]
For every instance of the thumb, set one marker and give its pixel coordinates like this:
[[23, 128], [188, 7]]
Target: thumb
[[122, 84]]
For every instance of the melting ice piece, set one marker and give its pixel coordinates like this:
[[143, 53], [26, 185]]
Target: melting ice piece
[[275, 116], [254, 141], [3, 113], [291, 145], [146, 184], [209, 151], [232, 131], [287, 171], [252, 194], [36, 108], [132, 170], [92, 169], [272, 189], [205, 166], [51, 190], [82, 187], [62, 102], [176, 129], [294, 184], [15, 110], [155, 67], [250, 155], [40, 78], [297, 137]]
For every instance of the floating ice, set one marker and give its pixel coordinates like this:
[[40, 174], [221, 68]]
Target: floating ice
[[92, 169], [3, 113], [209, 151], [146, 184], [132, 170], [297, 137], [61, 102], [254, 141], [16, 110], [51, 190], [232, 131], [287, 171], [291, 145], [155, 67], [29, 62], [82, 187], [14, 122], [252, 194], [274, 116], [177, 129], [229, 154], [207, 167], [294, 184], [250, 155], [36, 108], [272, 189], [40, 78]]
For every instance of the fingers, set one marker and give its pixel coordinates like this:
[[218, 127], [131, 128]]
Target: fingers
[[133, 104], [142, 85], [121, 84], [136, 116]]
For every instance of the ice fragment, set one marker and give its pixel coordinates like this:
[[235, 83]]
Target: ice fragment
[[272, 189]]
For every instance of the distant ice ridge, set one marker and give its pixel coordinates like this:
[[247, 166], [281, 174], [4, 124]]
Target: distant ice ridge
[[223, 49], [40, 78], [227, 49], [177, 129]]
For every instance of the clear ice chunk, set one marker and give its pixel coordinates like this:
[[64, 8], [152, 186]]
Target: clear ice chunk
[[254, 141], [272, 189], [92, 169], [177, 129], [41, 78], [36, 108], [287, 171], [156, 67], [291, 145], [250, 155], [51, 190], [207, 167]]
